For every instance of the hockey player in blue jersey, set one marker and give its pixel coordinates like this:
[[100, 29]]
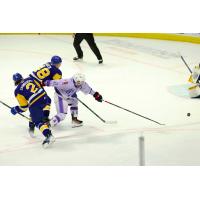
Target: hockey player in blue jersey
[[30, 96], [49, 71]]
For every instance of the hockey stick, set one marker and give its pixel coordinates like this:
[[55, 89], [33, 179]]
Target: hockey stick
[[11, 107], [133, 112], [104, 121], [186, 64]]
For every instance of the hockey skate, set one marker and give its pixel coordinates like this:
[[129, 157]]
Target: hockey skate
[[76, 122], [50, 139]]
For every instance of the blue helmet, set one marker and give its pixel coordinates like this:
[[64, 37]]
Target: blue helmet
[[17, 77], [56, 60]]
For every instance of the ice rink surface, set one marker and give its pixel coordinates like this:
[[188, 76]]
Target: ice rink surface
[[145, 76]]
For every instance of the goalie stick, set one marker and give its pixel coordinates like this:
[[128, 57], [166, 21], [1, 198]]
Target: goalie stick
[[186, 64]]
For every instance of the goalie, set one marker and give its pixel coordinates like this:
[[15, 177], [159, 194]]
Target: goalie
[[65, 95], [194, 89]]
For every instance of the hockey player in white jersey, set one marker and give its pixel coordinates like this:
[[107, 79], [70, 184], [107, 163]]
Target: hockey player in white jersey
[[194, 89], [65, 96]]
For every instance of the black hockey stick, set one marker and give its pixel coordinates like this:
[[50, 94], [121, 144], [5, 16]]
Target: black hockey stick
[[133, 112], [186, 64], [11, 107], [104, 121]]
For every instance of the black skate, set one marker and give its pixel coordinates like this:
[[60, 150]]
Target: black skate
[[100, 61], [50, 139], [76, 122], [77, 59]]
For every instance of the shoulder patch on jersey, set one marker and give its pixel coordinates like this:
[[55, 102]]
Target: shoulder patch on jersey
[[57, 77]]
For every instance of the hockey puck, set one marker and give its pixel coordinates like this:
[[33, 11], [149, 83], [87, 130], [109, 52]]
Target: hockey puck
[[188, 114]]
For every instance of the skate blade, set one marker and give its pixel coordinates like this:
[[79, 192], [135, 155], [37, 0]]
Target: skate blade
[[47, 145], [76, 126], [32, 135]]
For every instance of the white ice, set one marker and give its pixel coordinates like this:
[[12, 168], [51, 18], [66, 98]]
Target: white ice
[[145, 76]]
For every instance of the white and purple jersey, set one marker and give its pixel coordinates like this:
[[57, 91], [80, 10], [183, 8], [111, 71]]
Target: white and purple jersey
[[66, 88]]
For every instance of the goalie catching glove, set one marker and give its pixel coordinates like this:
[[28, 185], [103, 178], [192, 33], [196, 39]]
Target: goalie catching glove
[[98, 97]]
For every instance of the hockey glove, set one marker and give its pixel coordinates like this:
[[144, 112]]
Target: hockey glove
[[74, 95], [42, 84], [13, 110], [98, 97], [46, 83]]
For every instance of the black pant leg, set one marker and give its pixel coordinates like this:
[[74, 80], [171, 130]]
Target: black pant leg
[[77, 40], [31, 124], [90, 40]]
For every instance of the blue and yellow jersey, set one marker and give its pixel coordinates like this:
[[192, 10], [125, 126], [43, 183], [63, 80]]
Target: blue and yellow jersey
[[27, 93], [46, 72]]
